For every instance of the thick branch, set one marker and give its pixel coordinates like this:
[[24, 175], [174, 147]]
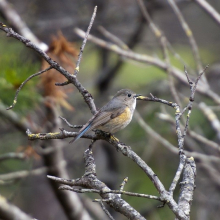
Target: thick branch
[[11, 212], [187, 186]]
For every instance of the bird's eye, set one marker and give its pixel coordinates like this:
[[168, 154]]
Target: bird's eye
[[129, 95]]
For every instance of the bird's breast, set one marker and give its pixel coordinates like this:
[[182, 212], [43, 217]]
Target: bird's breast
[[118, 122]]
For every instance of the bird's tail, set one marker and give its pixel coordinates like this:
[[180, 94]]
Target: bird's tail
[[81, 133]]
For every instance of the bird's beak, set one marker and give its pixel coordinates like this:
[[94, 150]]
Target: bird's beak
[[140, 97], [137, 95]]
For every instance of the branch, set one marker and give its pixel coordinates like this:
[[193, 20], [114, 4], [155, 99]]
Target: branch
[[170, 146], [202, 88], [19, 122], [187, 186], [12, 155], [15, 20], [120, 192], [71, 78], [22, 84], [84, 41], [11, 212], [90, 180], [70, 125], [211, 116], [104, 209], [192, 134], [188, 33], [164, 195], [209, 10], [57, 135], [22, 174]]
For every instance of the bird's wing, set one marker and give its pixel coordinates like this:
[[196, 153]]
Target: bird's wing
[[104, 116], [100, 118]]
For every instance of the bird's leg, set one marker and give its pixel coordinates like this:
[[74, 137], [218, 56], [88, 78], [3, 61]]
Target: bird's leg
[[90, 146]]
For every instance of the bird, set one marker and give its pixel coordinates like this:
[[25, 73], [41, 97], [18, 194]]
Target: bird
[[113, 116]]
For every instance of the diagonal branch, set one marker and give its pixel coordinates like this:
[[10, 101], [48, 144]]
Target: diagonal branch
[[22, 84], [90, 180], [209, 10], [70, 77], [9, 211], [188, 33], [202, 87]]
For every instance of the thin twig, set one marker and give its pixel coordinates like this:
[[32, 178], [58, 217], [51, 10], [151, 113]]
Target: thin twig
[[123, 184], [70, 77], [22, 174], [188, 33], [113, 38], [104, 209], [12, 155], [163, 101], [192, 134], [70, 125], [164, 45], [109, 191], [178, 173], [84, 41], [22, 84], [211, 116], [14, 18], [202, 88], [209, 10], [181, 135]]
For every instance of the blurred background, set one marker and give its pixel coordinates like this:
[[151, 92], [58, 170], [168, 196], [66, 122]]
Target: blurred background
[[103, 73]]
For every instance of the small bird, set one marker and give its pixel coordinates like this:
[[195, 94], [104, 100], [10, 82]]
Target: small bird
[[113, 116]]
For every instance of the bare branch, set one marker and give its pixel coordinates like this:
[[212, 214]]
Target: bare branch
[[84, 41], [191, 133], [90, 180], [57, 135], [12, 155], [211, 116], [202, 88], [164, 195], [70, 77], [22, 84], [10, 212], [16, 21], [188, 33], [105, 210], [113, 38], [22, 174], [170, 146], [209, 10], [59, 180], [71, 126], [187, 186], [123, 184]]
